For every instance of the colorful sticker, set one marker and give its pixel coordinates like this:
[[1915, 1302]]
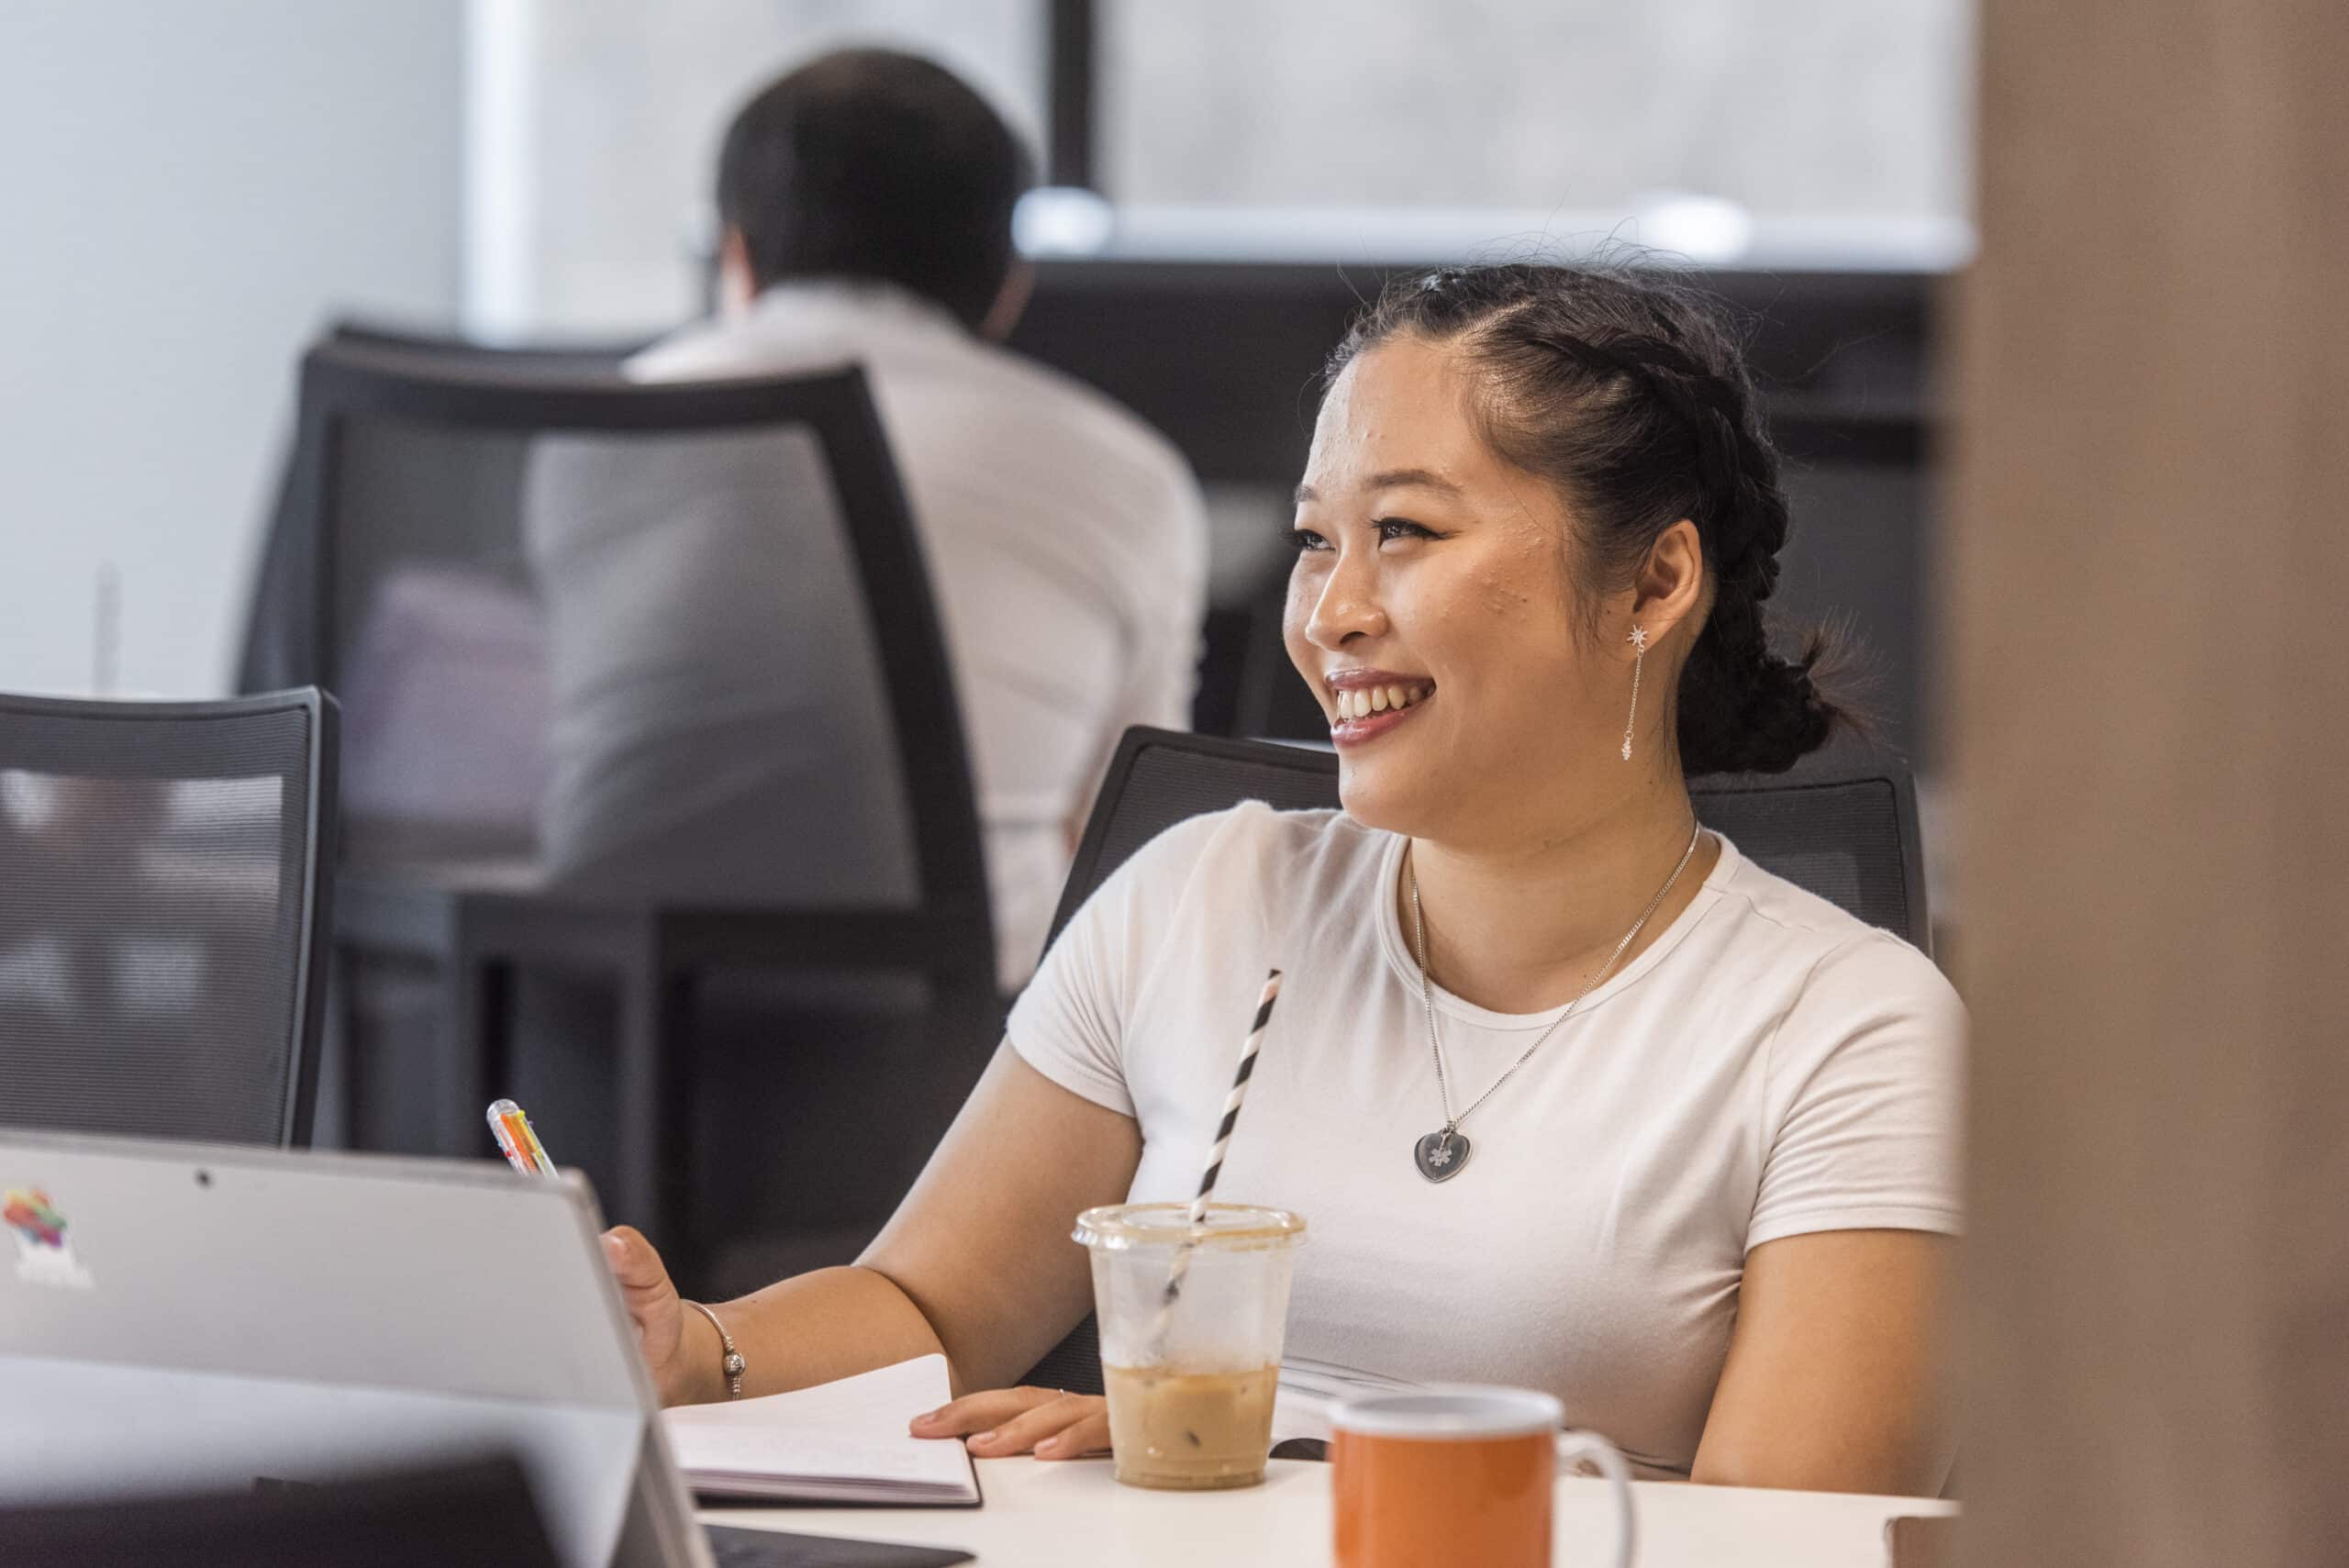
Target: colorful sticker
[[43, 1255]]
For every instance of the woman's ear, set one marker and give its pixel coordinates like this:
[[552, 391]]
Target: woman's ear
[[1671, 585]]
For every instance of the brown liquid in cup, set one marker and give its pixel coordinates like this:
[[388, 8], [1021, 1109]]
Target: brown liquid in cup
[[1190, 1431]]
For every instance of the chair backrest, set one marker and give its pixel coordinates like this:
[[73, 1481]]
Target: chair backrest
[[684, 629], [1840, 825], [1159, 777], [563, 357], [168, 870], [278, 627]]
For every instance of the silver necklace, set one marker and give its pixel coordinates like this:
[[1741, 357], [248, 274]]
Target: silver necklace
[[1443, 1154]]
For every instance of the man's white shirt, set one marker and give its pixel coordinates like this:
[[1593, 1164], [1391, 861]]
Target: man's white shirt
[[1067, 545]]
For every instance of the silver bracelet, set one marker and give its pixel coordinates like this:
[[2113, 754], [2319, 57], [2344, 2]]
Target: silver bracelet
[[733, 1363]]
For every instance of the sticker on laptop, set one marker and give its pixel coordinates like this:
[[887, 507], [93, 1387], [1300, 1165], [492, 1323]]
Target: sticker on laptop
[[43, 1255]]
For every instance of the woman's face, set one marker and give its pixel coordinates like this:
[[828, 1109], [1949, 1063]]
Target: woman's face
[[1430, 569]]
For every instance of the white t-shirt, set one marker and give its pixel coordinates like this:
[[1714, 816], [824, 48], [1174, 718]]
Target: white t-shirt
[[1769, 1066], [1067, 544]]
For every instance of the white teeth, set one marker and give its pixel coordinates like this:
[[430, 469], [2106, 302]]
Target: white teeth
[[1362, 703]]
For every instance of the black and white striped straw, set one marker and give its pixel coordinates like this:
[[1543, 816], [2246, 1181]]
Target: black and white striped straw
[[1248, 1050]]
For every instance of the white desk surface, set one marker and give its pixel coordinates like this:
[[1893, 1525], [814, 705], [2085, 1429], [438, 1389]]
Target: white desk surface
[[1073, 1514]]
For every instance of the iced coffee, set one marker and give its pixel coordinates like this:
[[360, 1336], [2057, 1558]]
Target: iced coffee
[[1190, 1431], [1192, 1319]]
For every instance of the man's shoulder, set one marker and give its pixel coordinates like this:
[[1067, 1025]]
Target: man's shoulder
[[983, 390], [1025, 387], [719, 351]]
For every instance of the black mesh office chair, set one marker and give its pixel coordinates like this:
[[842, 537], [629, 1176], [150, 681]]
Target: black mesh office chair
[[281, 625], [414, 475], [1842, 825], [166, 875]]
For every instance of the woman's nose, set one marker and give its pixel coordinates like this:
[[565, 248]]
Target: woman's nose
[[1347, 605]]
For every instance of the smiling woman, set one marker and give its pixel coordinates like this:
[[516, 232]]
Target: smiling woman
[[1573, 1096]]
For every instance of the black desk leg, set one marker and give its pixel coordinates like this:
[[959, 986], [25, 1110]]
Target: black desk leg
[[351, 1066], [477, 1021], [494, 1037], [656, 1103]]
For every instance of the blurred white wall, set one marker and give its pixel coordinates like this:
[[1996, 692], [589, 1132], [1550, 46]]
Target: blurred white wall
[[596, 131], [186, 191]]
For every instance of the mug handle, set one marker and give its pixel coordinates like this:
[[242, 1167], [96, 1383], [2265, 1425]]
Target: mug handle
[[1576, 1446]]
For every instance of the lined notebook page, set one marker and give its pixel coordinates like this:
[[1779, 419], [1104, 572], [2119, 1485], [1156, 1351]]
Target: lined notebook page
[[842, 1441]]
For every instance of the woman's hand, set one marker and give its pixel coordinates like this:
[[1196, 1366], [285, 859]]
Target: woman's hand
[[659, 1315], [1014, 1420]]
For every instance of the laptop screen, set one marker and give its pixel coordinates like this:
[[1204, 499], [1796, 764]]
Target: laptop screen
[[174, 1317]]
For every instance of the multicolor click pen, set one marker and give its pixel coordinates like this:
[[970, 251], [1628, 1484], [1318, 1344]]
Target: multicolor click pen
[[517, 1141]]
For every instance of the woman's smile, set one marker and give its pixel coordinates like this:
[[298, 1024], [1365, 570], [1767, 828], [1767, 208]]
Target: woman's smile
[[1366, 703]]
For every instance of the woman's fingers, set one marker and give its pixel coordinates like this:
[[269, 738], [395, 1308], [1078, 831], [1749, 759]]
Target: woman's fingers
[[1040, 1425], [651, 1302], [980, 1412], [1090, 1435], [634, 1263], [1013, 1420]]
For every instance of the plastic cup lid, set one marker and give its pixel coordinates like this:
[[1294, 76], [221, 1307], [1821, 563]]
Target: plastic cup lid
[[1237, 1227]]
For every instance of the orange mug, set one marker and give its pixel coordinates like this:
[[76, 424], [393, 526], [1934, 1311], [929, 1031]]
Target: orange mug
[[1460, 1475]]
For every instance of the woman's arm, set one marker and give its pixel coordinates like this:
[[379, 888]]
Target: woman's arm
[[981, 1245], [1834, 1380], [976, 1262]]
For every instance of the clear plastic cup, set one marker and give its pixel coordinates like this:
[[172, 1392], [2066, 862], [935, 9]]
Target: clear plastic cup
[[1190, 1380]]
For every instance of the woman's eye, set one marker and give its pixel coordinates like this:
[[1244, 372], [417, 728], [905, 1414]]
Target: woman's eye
[[1303, 539], [1391, 529]]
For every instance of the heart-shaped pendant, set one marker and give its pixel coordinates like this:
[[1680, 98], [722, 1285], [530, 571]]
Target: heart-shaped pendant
[[1441, 1154]]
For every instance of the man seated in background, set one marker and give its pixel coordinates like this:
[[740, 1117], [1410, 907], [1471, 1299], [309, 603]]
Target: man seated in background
[[866, 199]]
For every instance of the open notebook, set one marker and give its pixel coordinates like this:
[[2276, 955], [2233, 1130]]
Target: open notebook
[[838, 1443]]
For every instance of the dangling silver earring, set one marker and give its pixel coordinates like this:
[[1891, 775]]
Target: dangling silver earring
[[1639, 642]]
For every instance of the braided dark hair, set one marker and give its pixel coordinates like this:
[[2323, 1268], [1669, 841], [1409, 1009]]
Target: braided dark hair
[[1629, 393]]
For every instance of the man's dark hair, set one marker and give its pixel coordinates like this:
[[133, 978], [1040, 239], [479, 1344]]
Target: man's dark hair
[[869, 163]]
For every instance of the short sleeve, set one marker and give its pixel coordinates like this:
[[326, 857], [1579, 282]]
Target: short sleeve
[[1864, 1099], [1070, 1023]]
